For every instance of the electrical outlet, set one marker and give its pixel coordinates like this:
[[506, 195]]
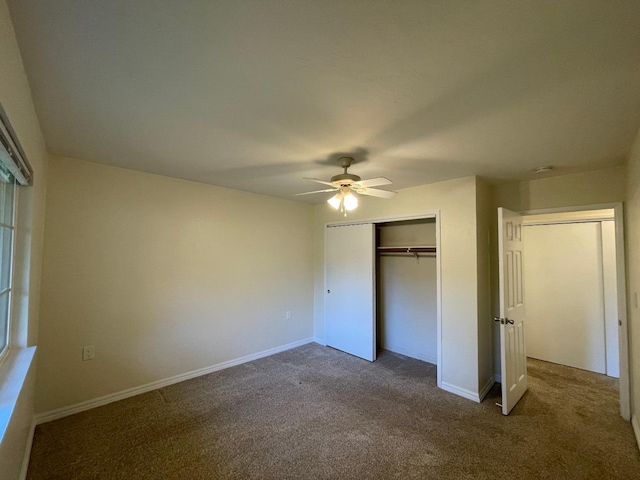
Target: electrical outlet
[[287, 315], [88, 353]]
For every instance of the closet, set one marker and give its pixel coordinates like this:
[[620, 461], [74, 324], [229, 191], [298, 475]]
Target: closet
[[406, 288], [381, 288]]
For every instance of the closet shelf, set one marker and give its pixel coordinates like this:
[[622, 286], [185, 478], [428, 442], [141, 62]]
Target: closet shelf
[[413, 250]]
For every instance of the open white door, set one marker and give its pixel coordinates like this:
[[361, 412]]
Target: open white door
[[349, 306], [513, 355]]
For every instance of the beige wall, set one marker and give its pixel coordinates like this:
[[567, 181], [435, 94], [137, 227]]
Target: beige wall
[[585, 188], [15, 96], [456, 201], [163, 276], [632, 215], [487, 218]]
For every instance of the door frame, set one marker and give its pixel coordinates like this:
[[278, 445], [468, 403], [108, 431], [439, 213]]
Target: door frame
[[621, 277], [429, 214]]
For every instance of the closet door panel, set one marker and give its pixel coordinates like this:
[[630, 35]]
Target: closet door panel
[[349, 308], [564, 277]]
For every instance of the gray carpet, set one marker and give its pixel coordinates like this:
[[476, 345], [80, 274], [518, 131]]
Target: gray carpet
[[314, 412]]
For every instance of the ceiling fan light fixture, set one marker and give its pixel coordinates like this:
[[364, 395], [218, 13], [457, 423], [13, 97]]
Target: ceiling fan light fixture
[[346, 185], [350, 201], [335, 201]]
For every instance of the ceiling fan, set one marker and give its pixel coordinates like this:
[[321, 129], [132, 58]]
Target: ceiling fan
[[346, 184]]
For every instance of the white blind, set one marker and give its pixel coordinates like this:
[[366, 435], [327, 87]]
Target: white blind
[[12, 157]]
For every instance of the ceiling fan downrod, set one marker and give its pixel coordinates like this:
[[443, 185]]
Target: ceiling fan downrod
[[345, 179]]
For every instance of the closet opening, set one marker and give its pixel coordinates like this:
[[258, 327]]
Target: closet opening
[[406, 288], [382, 288]]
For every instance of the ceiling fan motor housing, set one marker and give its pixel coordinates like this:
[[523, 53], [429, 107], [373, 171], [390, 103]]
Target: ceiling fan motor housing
[[345, 179]]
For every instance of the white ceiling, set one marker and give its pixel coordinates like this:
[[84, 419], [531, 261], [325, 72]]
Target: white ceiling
[[256, 95]]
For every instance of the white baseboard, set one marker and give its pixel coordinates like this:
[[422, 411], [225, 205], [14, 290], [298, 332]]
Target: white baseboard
[[130, 392], [462, 392], [27, 451], [427, 358], [320, 341], [419, 356], [636, 428], [484, 390]]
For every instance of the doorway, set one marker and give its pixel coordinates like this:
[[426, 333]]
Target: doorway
[[570, 274], [601, 343]]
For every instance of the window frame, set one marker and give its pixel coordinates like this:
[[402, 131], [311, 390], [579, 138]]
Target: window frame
[[16, 169], [8, 291]]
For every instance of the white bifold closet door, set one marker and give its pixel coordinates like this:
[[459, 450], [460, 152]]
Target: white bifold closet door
[[349, 306]]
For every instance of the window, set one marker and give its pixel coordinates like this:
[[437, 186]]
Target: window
[[14, 171], [7, 228]]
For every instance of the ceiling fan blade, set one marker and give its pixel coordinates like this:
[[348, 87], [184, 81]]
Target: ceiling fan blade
[[375, 192], [319, 181], [374, 182], [317, 191]]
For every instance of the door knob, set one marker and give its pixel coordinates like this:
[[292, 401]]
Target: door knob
[[503, 321]]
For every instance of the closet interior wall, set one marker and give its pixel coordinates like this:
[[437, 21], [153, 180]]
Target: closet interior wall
[[407, 289]]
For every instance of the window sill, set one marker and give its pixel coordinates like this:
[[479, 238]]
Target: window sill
[[13, 373]]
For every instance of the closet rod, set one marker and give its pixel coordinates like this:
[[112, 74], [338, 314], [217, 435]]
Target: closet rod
[[411, 250]]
